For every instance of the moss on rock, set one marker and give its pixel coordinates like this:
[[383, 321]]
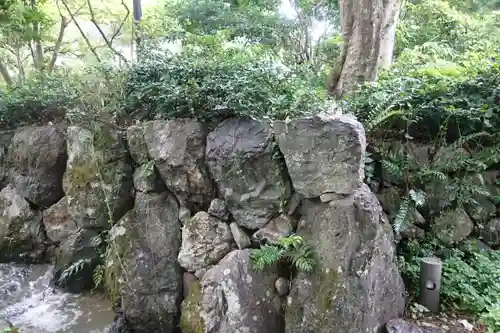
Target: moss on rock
[[191, 320]]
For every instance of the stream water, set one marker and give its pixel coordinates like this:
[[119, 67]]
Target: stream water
[[30, 304]]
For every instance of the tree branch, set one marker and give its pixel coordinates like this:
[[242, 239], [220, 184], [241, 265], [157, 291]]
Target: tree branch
[[57, 47], [5, 74], [109, 42], [84, 36]]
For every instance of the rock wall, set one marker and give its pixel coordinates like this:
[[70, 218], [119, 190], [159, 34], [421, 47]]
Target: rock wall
[[181, 207]]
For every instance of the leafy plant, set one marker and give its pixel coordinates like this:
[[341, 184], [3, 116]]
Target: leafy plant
[[491, 318], [291, 249]]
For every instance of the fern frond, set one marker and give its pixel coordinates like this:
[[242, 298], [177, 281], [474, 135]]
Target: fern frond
[[302, 258], [267, 255], [393, 169], [73, 269], [418, 197], [291, 241], [98, 275], [429, 175], [403, 215]]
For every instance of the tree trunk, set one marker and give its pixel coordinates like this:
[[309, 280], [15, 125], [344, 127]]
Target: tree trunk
[[367, 27]]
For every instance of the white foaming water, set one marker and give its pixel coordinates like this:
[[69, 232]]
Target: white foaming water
[[28, 302]]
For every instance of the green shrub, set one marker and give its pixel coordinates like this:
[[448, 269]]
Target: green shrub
[[470, 279], [209, 87]]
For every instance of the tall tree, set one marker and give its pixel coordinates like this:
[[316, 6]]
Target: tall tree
[[368, 30]]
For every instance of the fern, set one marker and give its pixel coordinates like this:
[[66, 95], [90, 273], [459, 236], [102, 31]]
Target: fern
[[98, 275], [403, 215], [393, 169], [73, 269], [292, 249]]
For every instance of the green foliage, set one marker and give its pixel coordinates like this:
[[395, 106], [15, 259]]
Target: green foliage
[[10, 330], [491, 318], [209, 87], [73, 269], [470, 276], [291, 249]]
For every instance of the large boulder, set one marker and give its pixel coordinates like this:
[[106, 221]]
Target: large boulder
[[98, 181], [178, 150], [323, 154], [22, 236], [141, 265], [357, 286], [491, 232], [205, 241], [453, 226], [147, 179], [237, 298], [76, 258], [37, 157], [5, 138], [58, 223], [247, 166]]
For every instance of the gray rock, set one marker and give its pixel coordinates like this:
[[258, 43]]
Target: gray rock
[[21, 230], [137, 144], [327, 197], [148, 180], [282, 286], [98, 181], [178, 149], [219, 209], [78, 247], [58, 223], [5, 325], [402, 326], [491, 232], [453, 226], [37, 155], [205, 241], [293, 203], [5, 139], [240, 237], [277, 228], [187, 280], [141, 266], [184, 215], [323, 154], [243, 160], [237, 298], [482, 211], [357, 286]]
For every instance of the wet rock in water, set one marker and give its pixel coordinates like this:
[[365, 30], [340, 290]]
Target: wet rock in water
[[205, 241], [240, 237], [37, 155], [142, 268], [76, 251], [21, 230], [323, 154], [148, 180], [219, 209], [402, 326], [236, 296], [58, 223], [245, 163], [356, 286], [279, 227], [98, 181], [178, 150], [5, 139], [453, 226]]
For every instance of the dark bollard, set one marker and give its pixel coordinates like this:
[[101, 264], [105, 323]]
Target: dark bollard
[[430, 283]]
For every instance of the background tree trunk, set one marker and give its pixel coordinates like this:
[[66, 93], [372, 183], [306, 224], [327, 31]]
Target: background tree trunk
[[368, 28]]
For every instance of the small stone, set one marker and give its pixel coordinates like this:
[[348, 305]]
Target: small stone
[[468, 326], [327, 197], [219, 209], [277, 228], [184, 215], [282, 286], [240, 237]]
